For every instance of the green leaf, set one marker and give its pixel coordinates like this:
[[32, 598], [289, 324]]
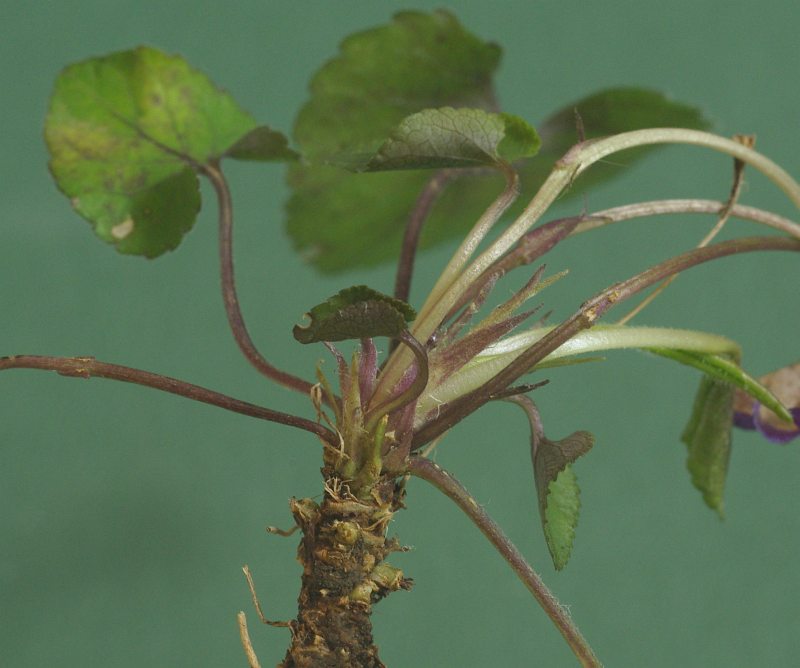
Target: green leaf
[[724, 369], [355, 313], [708, 438], [455, 138], [380, 76], [561, 516], [557, 489], [126, 134]]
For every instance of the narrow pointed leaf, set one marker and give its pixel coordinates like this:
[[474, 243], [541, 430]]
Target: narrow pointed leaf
[[126, 133], [355, 313], [708, 438], [557, 490]]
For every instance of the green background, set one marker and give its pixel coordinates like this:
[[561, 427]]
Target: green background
[[125, 515]]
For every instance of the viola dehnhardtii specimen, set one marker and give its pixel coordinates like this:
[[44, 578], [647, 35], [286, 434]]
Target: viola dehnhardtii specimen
[[129, 136]]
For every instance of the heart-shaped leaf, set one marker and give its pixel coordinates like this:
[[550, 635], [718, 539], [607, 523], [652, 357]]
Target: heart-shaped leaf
[[382, 75], [355, 313], [126, 134], [558, 491]]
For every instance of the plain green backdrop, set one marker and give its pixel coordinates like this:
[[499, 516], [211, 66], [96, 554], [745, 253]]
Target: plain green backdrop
[[125, 515]]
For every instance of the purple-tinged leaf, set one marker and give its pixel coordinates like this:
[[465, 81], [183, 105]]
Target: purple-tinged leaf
[[355, 313], [446, 360], [558, 491]]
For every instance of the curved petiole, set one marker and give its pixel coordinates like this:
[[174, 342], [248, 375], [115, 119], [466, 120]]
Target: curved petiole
[[577, 160], [683, 206], [435, 475], [88, 367], [419, 214], [409, 394], [229, 296]]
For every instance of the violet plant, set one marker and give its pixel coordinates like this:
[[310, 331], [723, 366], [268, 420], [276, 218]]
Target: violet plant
[[392, 153]]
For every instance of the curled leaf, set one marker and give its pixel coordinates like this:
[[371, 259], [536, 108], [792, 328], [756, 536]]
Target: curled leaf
[[355, 313], [558, 491]]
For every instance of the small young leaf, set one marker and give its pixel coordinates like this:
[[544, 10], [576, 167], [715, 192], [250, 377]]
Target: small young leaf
[[382, 75], [708, 438], [557, 489], [355, 313], [126, 134], [447, 137]]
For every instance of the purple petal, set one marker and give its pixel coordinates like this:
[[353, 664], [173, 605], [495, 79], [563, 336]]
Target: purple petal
[[743, 420], [775, 434]]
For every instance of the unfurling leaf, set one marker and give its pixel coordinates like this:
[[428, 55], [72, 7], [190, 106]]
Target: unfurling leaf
[[127, 133], [447, 137], [750, 412], [355, 313], [557, 489], [708, 438]]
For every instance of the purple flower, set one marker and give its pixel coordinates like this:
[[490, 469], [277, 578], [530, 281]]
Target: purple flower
[[749, 414]]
